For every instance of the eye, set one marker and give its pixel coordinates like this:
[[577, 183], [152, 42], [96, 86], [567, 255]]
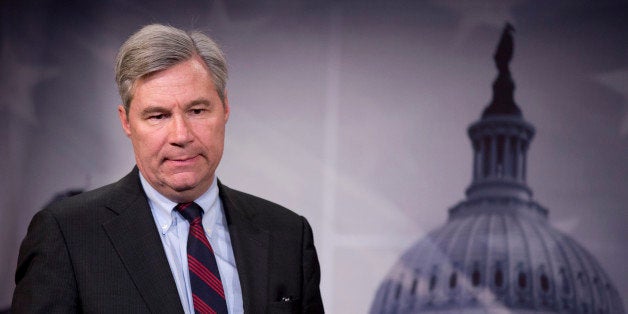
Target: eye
[[197, 111], [159, 116]]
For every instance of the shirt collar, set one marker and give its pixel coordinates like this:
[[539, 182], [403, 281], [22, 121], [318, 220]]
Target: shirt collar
[[166, 217]]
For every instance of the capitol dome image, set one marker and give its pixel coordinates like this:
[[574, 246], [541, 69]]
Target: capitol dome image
[[497, 252]]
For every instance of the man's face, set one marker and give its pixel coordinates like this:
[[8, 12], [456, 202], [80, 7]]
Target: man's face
[[176, 123]]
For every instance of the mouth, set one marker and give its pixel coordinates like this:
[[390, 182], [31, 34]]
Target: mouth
[[182, 161]]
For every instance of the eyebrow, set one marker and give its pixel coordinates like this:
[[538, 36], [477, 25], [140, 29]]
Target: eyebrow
[[199, 101], [153, 109]]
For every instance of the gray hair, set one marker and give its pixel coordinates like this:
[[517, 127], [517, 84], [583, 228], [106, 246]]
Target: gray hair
[[158, 47]]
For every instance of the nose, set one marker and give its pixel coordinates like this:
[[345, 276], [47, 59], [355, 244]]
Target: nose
[[180, 132]]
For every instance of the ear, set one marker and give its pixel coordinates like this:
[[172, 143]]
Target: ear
[[124, 120], [226, 107]]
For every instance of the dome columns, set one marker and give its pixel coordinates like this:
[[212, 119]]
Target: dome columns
[[500, 144]]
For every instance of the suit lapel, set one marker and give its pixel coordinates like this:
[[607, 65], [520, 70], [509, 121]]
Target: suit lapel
[[134, 235], [250, 248]]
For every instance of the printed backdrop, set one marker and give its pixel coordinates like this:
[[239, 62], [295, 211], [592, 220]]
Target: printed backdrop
[[352, 113]]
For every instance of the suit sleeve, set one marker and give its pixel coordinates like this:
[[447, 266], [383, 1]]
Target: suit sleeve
[[44, 279], [312, 302]]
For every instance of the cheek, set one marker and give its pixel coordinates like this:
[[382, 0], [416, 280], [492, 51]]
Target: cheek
[[211, 135], [147, 146], [217, 139]]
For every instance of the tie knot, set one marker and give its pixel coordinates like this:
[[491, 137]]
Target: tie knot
[[189, 211]]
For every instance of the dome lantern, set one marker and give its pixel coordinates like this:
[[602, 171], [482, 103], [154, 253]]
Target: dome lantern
[[500, 139]]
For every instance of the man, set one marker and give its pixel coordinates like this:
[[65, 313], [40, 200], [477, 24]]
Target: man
[[169, 237]]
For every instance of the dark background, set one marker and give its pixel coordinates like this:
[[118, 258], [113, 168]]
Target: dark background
[[352, 113]]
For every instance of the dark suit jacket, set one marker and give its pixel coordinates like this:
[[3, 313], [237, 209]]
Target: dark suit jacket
[[100, 252]]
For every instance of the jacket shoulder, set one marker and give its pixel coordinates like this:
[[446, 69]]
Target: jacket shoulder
[[123, 190], [85, 199], [256, 208]]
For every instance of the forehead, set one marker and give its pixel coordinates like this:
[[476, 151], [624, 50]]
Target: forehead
[[187, 77]]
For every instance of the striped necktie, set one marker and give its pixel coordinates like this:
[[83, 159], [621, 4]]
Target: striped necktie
[[207, 292]]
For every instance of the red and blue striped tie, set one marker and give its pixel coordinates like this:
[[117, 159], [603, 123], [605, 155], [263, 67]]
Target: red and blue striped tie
[[207, 292]]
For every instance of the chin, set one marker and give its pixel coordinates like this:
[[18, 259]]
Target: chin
[[183, 186], [183, 182]]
